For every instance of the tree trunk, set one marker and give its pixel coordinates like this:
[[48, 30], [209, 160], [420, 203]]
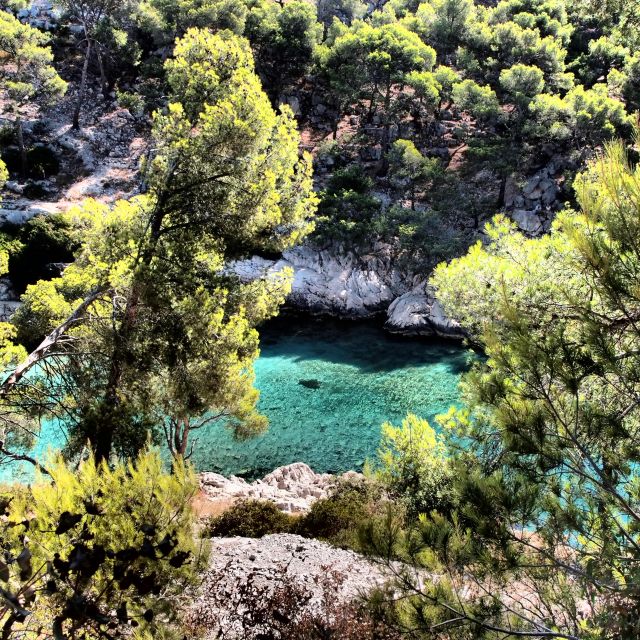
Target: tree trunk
[[105, 427], [23, 150], [83, 86], [103, 76], [502, 192]]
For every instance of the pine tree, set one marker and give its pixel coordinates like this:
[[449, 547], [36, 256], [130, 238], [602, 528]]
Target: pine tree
[[27, 75], [159, 324], [544, 540]]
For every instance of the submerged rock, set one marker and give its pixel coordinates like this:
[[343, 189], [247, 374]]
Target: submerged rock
[[310, 384]]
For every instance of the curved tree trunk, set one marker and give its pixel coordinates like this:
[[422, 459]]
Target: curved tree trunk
[[104, 82]]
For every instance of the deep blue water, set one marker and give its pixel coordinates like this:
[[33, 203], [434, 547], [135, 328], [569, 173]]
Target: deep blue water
[[327, 387]]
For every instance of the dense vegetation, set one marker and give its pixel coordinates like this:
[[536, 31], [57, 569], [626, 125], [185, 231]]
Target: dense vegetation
[[422, 119]]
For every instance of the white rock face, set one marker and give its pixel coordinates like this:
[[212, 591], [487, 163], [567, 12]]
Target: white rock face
[[293, 488], [330, 281], [245, 570], [341, 283], [419, 313], [528, 221]]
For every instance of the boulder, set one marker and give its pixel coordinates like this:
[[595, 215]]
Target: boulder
[[531, 186], [293, 102], [528, 221], [419, 313]]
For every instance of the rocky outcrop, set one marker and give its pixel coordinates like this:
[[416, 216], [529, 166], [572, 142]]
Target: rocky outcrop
[[334, 281], [247, 575], [9, 301], [40, 14], [339, 282], [417, 312], [533, 205], [293, 488]]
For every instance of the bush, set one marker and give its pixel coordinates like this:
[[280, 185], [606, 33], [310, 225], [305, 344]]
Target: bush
[[91, 548], [338, 517], [250, 519], [415, 467], [348, 209], [133, 102], [44, 240], [42, 162]]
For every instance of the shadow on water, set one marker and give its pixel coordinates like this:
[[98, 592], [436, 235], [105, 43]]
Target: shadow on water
[[361, 344], [326, 387]]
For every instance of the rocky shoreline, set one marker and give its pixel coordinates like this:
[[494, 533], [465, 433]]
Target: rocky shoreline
[[337, 282], [292, 488]]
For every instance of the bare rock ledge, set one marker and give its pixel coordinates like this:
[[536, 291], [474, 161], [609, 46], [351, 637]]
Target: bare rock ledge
[[246, 571], [338, 282], [293, 488]]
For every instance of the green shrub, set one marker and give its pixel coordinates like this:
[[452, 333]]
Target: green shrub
[[250, 519], [348, 209], [42, 162], [133, 102], [93, 547], [415, 467], [44, 240], [338, 517]]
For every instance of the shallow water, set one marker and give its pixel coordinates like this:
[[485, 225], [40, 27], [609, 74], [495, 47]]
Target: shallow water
[[326, 387]]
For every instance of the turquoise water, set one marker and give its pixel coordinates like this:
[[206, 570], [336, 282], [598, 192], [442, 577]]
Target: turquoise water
[[326, 387]]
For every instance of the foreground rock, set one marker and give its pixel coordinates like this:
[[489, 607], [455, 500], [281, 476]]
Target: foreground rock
[[340, 283], [293, 488], [279, 575]]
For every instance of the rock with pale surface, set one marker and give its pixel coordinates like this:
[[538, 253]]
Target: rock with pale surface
[[332, 281], [341, 283], [528, 221], [293, 488], [419, 313], [245, 570]]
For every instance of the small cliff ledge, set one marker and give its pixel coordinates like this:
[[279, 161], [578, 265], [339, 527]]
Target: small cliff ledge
[[284, 574]]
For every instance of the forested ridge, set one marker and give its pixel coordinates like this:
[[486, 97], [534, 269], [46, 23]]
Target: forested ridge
[[487, 149]]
